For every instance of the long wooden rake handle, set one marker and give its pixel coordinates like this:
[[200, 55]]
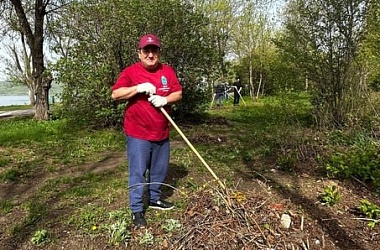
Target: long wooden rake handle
[[191, 146]]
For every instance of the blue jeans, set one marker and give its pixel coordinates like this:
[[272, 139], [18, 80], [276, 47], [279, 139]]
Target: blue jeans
[[145, 155]]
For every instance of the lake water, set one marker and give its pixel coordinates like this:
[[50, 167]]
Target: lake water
[[9, 100], [11, 94]]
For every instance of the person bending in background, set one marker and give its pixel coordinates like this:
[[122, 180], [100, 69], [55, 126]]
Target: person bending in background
[[219, 94], [148, 85]]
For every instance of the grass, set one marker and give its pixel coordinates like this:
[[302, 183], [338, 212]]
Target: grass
[[57, 138], [5, 206], [10, 175], [15, 107], [60, 162]]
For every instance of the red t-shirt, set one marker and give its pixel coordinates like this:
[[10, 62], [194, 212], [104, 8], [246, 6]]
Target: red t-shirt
[[142, 120]]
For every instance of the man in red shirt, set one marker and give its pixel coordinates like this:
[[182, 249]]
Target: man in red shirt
[[148, 85]]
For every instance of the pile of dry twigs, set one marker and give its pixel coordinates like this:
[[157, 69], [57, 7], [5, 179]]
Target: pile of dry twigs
[[220, 218]]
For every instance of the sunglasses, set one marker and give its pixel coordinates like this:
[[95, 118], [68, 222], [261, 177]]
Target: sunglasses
[[153, 50]]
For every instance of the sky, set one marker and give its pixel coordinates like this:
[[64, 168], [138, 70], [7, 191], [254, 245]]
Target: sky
[[4, 55], [2, 63]]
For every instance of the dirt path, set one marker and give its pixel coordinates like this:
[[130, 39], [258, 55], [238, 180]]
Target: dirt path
[[23, 191], [17, 113]]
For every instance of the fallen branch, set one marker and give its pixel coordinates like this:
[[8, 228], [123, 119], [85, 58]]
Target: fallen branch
[[366, 219]]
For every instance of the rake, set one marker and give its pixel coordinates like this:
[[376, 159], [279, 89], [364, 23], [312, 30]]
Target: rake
[[192, 147]]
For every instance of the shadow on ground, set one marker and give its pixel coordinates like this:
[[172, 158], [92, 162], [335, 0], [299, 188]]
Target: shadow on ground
[[327, 222]]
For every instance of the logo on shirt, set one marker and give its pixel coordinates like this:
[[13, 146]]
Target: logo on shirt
[[164, 81]]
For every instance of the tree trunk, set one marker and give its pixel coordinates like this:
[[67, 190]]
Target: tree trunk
[[32, 97], [42, 102], [251, 87], [35, 42], [259, 87]]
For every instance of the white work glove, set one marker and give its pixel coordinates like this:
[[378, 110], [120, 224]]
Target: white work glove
[[146, 88], [158, 101]]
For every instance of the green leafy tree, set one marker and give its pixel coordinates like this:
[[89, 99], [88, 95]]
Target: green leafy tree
[[104, 35], [371, 47], [323, 38], [221, 14], [251, 43], [285, 76]]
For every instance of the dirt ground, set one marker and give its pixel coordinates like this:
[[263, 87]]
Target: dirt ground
[[248, 218]]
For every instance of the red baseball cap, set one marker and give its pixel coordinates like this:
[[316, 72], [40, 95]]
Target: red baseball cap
[[149, 39]]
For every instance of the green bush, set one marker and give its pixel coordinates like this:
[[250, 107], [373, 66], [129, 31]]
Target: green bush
[[359, 162]]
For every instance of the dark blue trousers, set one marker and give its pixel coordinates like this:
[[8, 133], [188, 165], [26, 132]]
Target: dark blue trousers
[[145, 155]]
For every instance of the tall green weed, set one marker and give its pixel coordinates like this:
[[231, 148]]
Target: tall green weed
[[361, 162]]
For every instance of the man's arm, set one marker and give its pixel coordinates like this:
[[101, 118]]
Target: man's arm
[[174, 97], [124, 93]]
